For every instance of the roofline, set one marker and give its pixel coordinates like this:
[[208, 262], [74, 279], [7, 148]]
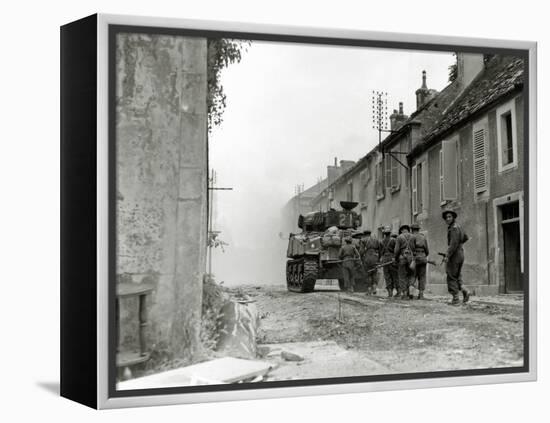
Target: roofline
[[434, 139]]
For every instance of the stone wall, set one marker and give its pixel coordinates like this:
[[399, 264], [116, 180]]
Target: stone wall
[[161, 182]]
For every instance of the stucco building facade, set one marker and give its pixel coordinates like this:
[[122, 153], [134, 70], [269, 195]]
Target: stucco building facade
[[461, 149]]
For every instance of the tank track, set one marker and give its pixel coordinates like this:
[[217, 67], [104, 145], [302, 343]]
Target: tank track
[[301, 274]]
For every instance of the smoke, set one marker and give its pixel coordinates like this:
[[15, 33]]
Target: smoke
[[291, 109]]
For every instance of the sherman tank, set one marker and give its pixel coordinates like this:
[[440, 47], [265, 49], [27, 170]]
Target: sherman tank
[[313, 253]]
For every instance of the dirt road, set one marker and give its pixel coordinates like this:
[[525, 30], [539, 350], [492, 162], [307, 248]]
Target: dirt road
[[341, 334]]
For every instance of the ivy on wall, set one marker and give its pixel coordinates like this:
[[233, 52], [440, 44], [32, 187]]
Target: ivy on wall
[[221, 53]]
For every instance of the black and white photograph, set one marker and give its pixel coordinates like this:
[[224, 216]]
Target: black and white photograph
[[289, 211]]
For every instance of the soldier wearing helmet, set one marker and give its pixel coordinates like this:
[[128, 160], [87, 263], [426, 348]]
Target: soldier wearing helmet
[[421, 252], [387, 247], [349, 255], [404, 255], [454, 258], [370, 254]]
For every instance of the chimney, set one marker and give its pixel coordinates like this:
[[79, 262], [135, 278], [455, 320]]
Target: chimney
[[397, 118], [422, 93], [468, 67]]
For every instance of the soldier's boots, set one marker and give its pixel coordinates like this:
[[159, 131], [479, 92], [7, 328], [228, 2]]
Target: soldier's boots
[[420, 295], [465, 296], [390, 293], [455, 300]]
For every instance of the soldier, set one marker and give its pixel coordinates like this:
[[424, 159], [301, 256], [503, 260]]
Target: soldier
[[387, 247], [370, 253], [348, 254], [403, 253], [421, 253], [454, 259]]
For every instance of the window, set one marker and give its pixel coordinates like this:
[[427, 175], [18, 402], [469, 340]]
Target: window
[[388, 170], [380, 179], [441, 176], [480, 156], [510, 212], [417, 181], [391, 172], [448, 171], [365, 176], [419, 190], [506, 135]]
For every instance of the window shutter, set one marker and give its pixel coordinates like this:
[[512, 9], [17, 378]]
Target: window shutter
[[450, 170], [480, 157], [394, 173], [424, 186], [419, 190], [379, 178], [414, 190], [441, 175], [388, 170]]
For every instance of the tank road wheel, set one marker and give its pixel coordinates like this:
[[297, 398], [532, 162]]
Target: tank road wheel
[[290, 276], [311, 270], [301, 275]]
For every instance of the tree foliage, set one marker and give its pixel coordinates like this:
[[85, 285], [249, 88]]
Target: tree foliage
[[453, 70], [221, 53]]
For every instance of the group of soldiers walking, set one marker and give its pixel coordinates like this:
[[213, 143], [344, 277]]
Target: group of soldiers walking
[[404, 258]]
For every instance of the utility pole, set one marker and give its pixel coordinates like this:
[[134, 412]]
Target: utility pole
[[380, 115], [380, 123], [211, 188]]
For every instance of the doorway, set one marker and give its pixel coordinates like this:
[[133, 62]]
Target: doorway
[[512, 251]]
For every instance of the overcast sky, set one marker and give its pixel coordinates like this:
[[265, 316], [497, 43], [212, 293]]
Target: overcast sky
[[292, 108]]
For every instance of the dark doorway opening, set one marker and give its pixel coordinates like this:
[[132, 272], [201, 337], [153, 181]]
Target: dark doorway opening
[[513, 276]]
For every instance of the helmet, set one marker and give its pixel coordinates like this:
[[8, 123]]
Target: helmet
[[446, 212]]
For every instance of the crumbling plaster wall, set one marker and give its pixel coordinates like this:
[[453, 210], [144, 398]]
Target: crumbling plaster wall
[[161, 174]]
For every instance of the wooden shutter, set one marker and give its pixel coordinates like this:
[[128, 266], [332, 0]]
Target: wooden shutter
[[424, 197], [379, 180], [480, 157], [419, 187], [414, 190], [441, 175], [388, 170], [394, 173], [450, 169]]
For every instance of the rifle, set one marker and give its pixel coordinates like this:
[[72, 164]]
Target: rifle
[[375, 268], [378, 266]]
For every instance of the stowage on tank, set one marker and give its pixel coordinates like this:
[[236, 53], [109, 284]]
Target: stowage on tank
[[313, 253]]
